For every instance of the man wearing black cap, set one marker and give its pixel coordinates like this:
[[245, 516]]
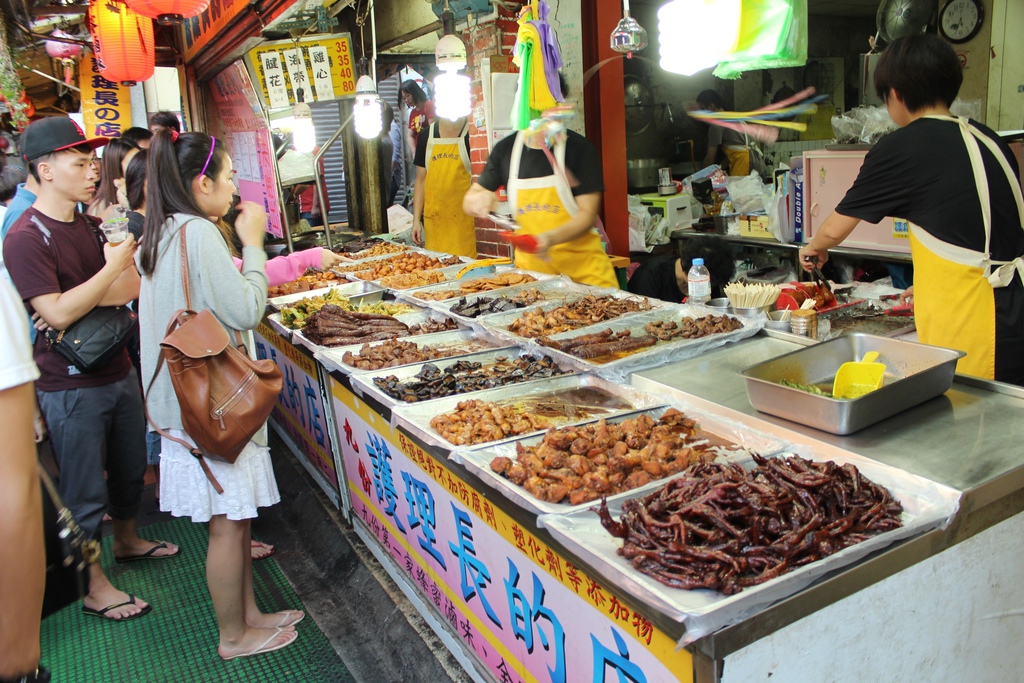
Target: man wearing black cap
[[62, 270]]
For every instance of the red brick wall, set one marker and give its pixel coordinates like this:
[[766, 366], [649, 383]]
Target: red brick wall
[[483, 42]]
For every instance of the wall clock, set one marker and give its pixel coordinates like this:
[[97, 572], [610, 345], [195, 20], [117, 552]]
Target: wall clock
[[960, 20]]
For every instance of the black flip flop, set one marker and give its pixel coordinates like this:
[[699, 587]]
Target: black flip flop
[[149, 554], [102, 613]]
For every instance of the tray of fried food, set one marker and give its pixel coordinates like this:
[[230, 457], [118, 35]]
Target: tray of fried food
[[470, 308], [294, 315], [672, 333], [418, 279], [468, 286], [514, 411], [408, 262], [434, 379], [586, 307], [368, 248], [568, 468], [333, 326], [312, 279], [404, 351], [756, 531], [342, 287]]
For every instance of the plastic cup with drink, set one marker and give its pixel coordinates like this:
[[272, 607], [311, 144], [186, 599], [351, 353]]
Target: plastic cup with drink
[[115, 230]]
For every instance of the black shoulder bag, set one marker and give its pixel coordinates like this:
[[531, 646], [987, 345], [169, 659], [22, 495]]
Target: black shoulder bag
[[68, 552]]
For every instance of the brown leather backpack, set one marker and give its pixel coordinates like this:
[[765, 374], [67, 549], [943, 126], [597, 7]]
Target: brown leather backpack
[[225, 396]]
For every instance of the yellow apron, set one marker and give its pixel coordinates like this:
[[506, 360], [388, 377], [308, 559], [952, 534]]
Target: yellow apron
[[954, 303], [739, 159], [545, 203], [446, 228]]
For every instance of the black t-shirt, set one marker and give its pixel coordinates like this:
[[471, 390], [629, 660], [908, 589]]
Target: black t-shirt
[[656, 278], [921, 172], [421, 145], [45, 256], [581, 161]]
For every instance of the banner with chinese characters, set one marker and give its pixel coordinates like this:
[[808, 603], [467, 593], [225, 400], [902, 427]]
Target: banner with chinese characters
[[321, 66], [198, 32], [106, 105], [240, 126], [527, 613], [300, 407]]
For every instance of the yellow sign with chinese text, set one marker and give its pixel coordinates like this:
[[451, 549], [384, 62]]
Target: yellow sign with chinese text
[[106, 105], [321, 67]]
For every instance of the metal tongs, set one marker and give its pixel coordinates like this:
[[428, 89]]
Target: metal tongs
[[504, 221], [819, 278]]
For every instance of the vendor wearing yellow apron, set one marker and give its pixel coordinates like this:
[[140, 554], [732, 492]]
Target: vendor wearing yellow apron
[[444, 177], [542, 204]]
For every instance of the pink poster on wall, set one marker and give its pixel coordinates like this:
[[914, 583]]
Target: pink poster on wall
[[238, 123]]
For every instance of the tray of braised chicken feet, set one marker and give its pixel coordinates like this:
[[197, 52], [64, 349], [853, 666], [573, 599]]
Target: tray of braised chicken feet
[[572, 467]]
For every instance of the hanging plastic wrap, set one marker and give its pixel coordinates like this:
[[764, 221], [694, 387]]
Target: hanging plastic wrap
[[773, 35]]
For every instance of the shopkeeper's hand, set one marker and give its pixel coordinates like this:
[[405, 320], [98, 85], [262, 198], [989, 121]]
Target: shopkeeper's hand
[[328, 259], [251, 224], [812, 258], [417, 233], [907, 296]]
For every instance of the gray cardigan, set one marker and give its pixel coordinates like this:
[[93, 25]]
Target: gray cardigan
[[237, 299]]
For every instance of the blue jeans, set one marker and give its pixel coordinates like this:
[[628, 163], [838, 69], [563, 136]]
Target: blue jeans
[[93, 430]]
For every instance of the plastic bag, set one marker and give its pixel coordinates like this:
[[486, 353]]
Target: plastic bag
[[640, 223], [748, 194], [773, 35], [862, 125], [969, 108]]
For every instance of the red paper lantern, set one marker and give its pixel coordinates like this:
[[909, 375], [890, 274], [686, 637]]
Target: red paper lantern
[[122, 41], [169, 11]]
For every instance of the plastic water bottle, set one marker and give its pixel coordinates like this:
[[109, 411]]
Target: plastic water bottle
[[698, 281]]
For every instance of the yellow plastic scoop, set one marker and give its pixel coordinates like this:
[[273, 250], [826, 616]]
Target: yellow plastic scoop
[[857, 378]]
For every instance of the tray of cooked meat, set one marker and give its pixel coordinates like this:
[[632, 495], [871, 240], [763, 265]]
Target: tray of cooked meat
[[368, 247], [398, 352], [568, 468], [590, 306], [470, 309], [312, 279], [420, 278], [615, 349], [436, 379], [295, 314], [367, 290], [515, 411], [473, 284], [723, 540], [332, 326], [404, 263]]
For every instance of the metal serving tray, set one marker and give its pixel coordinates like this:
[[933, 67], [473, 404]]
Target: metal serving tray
[[345, 288], [370, 298], [471, 340], [449, 272], [498, 323], [274, 320], [478, 460], [363, 383], [453, 282], [556, 290], [914, 373], [417, 416], [651, 356], [410, 319]]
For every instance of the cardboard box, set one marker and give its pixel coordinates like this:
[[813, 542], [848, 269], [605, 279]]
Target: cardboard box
[[755, 226]]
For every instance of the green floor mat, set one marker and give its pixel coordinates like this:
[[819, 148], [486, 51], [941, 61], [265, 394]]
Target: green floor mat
[[177, 641]]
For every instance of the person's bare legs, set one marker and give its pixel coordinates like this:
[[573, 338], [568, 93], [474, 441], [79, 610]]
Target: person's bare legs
[[21, 531], [102, 594], [253, 616], [127, 542], [226, 563]]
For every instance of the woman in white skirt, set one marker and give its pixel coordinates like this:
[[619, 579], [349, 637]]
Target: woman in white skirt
[[195, 182]]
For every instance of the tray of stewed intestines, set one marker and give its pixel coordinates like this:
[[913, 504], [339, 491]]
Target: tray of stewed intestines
[[473, 309], [515, 411], [419, 322], [628, 344], [572, 467], [453, 343], [463, 375]]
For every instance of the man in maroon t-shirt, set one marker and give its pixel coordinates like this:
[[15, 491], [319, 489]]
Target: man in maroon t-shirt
[[62, 270]]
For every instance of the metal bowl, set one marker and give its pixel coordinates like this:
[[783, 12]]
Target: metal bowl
[[752, 312], [721, 303]]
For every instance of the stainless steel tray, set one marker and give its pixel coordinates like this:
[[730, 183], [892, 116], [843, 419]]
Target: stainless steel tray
[[471, 340], [479, 460], [274, 320], [363, 383], [556, 290], [447, 271], [450, 274], [413, 318], [344, 287], [373, 297], [417, 416], [914, 373], [453, 282], [498, 323]]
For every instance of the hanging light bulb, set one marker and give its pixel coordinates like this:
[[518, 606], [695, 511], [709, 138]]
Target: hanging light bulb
[[629, 36], [368, 119], [303, 132], [687, 46], [452, 95]]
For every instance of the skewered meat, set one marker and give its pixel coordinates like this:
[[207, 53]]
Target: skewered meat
[[721, 527]]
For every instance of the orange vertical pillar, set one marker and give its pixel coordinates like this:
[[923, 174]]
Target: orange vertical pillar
[[604, 101]]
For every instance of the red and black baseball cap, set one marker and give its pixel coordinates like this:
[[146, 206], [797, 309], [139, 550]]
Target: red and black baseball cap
[[54, 134]]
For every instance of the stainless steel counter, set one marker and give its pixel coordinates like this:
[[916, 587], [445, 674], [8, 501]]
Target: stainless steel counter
[[970, 439]]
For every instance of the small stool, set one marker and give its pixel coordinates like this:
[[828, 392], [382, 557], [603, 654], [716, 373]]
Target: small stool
[[621, 265]]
